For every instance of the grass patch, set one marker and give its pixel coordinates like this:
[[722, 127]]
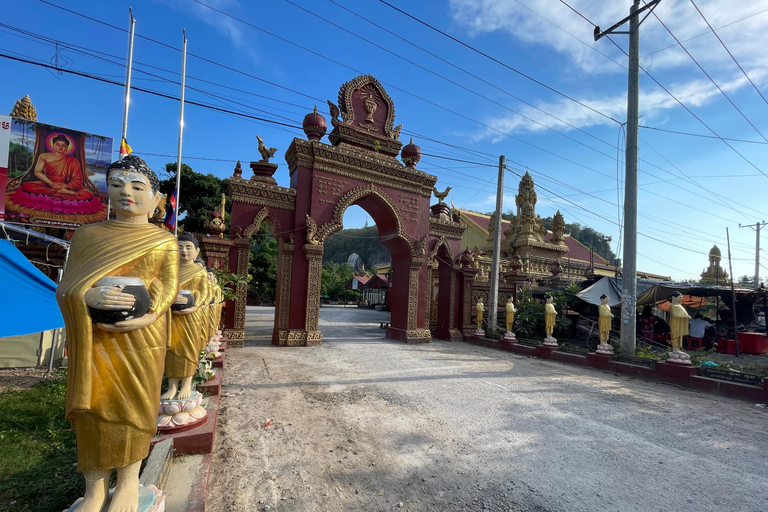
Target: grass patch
[[37, 472]]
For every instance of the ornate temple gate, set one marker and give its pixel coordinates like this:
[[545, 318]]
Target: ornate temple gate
[[359, 167]]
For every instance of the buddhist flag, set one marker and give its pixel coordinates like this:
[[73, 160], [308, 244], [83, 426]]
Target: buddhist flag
[[170, 217], [125, 149]]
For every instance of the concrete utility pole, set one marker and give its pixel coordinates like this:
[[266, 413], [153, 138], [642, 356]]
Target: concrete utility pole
[[629, 274], [756, 227], [494, 277]]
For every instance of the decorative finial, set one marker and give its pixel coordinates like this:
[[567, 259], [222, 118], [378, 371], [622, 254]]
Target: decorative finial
[[266, 154], [238, 170], [23, 109]]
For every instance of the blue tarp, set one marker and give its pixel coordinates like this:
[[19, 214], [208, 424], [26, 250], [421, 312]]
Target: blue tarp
[[27, 297]]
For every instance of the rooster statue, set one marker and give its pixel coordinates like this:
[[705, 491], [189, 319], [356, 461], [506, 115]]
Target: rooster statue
[[441, 195], [266, 154]]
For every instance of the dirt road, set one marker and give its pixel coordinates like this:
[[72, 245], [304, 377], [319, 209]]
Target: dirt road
[[364, 423]]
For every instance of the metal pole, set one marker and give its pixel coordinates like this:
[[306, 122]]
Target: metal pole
[[629, 274], [127, 100], [757, 255], [494, 277], [733, 296], [181, 132]]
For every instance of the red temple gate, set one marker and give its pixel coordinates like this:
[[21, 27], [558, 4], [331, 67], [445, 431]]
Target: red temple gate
[[359, 167]]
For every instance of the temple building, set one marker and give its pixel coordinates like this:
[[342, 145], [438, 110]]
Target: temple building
[[714, 274], [544, 258]]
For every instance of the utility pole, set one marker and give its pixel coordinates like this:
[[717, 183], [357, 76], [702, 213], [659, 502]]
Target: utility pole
[[629, 267], [756, 226], [494, 277]]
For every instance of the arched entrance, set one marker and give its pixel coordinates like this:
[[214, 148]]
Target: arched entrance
[[359, 167]]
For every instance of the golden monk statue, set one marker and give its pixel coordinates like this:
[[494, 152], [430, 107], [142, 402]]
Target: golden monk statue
[[480, 309], [604, 319], [678, 322], [116, 369], [187, 327], [550, 317], [214, 308], [510, 318]]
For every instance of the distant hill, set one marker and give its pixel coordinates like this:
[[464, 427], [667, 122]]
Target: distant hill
[[363, 241]]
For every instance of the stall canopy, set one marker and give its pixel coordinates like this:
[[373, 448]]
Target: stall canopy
[[27, 296], [612, 286]]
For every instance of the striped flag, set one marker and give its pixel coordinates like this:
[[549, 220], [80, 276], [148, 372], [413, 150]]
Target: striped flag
[[125, 149], [170, 217]]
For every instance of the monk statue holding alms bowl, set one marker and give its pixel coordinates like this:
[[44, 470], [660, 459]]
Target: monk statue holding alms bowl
[[116, 364]]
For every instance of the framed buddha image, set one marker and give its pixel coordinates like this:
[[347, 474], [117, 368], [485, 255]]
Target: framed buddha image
[[56, 176]]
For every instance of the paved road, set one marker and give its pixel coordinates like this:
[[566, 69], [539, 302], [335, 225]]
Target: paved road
[[479, 429]]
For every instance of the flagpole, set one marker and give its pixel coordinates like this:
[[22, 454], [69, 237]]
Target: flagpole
[[181, 131], [127, 100]]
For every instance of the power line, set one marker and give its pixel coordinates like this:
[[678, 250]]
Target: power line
[[427, 101], [729, 51], [472, 48], [708, 75], [701, 135]]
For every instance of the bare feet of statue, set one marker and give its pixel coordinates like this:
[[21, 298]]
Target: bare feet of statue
[[126, 495], [186, 388], [96, 491], [173, 387]]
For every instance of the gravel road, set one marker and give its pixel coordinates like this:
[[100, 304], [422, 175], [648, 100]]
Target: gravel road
[[364, 423]]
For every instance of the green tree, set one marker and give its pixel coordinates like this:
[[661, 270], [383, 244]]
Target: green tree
[[334, 277], [200, 194], [262, 265]]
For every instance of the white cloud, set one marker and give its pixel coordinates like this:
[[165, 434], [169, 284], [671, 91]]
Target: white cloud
[[654, 104], [536, 22], [226, 26]]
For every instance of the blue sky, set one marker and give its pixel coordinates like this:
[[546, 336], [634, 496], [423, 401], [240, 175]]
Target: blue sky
[[691, 188]]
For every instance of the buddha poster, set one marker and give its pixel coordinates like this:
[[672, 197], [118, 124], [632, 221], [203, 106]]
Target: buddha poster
[[56, 176]]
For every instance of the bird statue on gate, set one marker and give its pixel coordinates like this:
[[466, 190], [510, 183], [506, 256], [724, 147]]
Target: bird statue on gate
[[441, 195], [266, 154]]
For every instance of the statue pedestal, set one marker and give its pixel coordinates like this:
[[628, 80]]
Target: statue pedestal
[[680, 358], [510, 337], [151, 499], [479, 333], [605, 350], [177, 415], [549, 341]]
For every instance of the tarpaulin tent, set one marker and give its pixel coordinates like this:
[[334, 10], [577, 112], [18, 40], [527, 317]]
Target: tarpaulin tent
[[611, 286], [28, 297]]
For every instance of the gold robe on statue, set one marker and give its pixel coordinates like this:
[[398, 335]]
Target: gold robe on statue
[[604, 321], [214, 310], [187, 331], [550, 315], [678, 324], [114, 379]]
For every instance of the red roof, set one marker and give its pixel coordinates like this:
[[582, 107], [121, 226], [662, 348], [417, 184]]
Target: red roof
[[378, 281], [363, 280]]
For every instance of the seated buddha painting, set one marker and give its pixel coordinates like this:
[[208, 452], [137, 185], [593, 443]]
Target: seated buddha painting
[[56, 176]]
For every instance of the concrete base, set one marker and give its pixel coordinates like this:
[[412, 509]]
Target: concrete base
[[196, 440], [187, 486], [219, 362], [544, 351], [676, 371], [212, 387], [410, 336]]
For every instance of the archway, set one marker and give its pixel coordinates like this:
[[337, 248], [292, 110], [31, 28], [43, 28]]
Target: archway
[[358, 168]]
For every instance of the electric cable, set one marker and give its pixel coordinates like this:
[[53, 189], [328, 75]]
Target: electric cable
[[729, 52]]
